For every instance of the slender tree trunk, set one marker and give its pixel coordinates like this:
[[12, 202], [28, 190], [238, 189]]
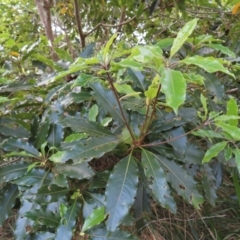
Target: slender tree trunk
[[44, 11]]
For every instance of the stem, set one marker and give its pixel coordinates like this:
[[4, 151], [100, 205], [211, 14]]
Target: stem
[[120, 106], [173, 139], [79, 22]]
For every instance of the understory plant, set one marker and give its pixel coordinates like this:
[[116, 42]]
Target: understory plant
[[87, 157]]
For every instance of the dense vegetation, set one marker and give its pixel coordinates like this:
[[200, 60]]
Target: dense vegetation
[[113, 112]]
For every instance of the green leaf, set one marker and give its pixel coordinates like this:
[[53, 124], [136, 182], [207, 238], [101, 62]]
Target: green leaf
[[182, 36], [157, 181], [65, 229], [151, 93], [94, 219], [42, 135], [41, 236], [232, 110], [209, 64], [8, 196], [108, 101], [87, 51], [56, 134], [13, 144], [94, 147], [126, 89], [77, 171], [22, 223], [174, 87], [138, 78], [120, 191], [207, 134], [183, 183], [209, 184], [127, 63], [35, 177], [8, 128], [165, 43], [237, 157], [214, 151], [93, 112], [84, 126], [204, 103], [49, 193], [233, 131], [108, 45], [103, 234], [43, 217], [226, 118], [221, 48], [13, 171]]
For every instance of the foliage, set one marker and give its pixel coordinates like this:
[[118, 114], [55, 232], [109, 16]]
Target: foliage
[[87, 155]]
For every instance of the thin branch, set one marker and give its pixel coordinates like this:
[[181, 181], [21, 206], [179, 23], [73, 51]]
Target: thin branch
[[123, 14], [79, 22], [120, 106]]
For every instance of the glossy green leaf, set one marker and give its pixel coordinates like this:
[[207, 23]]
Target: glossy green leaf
[[207, 134], [42, 134], [8, 196], [49, 193], [232, 110], [157, 181], [209, 64], [120, 191], [174, 87], [183, 35], [65, 229], [43, 217], [108, 45], [84, 126], [108, 101], [126, 89], [13, 171], [214, 150], [181, 181], [233, 131], [221, 48], [77, 171], [56, 134], [151, 93], [13, 144], [204, 103], [94, 147], [35, 177], [93, 112], [226, 118], [138, 78], [97, 216]]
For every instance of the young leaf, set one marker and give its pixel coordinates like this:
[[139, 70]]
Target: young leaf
[[8, 197], [108, 101], [204, 103], [209, 64], [157, 181], [120, 191], [108, 45], [232, 109], [93, 112], [174, 87], [94, 219], [221, 48], [233, 131], [214, 151], [182, 36]]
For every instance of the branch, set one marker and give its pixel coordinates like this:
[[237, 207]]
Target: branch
[[79, 23], [121, 19]]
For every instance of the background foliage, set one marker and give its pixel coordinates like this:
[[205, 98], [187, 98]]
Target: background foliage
[[117, 116]]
